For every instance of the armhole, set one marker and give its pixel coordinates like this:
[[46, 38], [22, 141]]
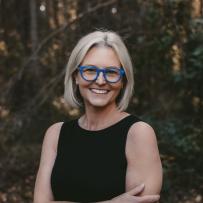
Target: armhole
[[60, 137], [134, 119]]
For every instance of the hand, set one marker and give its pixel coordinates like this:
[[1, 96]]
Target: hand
[[130, 196]]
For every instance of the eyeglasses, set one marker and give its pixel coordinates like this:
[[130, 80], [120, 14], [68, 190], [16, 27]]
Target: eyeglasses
[[110, 74]]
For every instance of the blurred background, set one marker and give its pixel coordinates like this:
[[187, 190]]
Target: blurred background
[[165, 40]]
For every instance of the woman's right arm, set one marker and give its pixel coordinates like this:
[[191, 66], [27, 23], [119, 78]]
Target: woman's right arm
[[42, 190]]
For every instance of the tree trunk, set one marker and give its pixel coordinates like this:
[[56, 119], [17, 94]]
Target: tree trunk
[[33, 35]]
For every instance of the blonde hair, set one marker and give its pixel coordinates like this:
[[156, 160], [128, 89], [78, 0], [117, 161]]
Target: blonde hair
[[105, 38]]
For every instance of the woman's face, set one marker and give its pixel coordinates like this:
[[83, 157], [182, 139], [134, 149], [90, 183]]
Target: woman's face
[[99, 93]]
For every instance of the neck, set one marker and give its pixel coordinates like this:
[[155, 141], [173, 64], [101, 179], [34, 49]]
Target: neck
[[98, 118]]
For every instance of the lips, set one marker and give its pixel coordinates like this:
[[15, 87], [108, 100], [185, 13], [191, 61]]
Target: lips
[[99, 91]]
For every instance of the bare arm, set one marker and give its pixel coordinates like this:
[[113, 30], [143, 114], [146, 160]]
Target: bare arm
[[144, 164], [42, 190]]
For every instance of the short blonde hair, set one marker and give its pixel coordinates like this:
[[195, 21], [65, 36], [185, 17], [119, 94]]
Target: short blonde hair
[[105, 38]]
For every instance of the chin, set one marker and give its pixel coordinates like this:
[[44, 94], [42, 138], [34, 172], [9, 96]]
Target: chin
[[99, 104]]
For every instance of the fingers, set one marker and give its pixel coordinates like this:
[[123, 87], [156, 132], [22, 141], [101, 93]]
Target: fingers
[[138, 189], [148, 198], [143, 199]]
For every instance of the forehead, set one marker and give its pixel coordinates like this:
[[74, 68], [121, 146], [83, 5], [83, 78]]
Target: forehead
[[101, 56]]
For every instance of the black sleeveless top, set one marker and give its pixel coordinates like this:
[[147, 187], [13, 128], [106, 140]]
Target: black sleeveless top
[[90, 165]]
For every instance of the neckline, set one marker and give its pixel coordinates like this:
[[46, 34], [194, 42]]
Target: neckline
[[103, 129]]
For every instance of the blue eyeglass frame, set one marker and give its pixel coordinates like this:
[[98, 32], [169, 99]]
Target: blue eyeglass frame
[[103, 70]]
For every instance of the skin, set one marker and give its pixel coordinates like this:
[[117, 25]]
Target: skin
[[144, 165]]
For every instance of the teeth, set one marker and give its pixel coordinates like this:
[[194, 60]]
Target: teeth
[[99, 91]]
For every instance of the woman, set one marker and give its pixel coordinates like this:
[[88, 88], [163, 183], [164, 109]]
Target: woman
[[107, 154]]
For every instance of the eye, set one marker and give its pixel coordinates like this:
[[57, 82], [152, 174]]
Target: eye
[[112, 71], [89, 69]]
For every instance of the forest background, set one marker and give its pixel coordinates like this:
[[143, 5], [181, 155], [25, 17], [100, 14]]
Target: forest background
[[165, 40]]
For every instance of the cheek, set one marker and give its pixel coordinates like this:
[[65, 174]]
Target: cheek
[[117, 87], [83, 84], [80, 81], [83, 87]]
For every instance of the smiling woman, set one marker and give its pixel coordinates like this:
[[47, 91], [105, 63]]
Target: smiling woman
[[98, 91], [107, 154], [81, 51]]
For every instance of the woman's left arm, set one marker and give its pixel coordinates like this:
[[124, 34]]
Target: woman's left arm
[[144, 164]]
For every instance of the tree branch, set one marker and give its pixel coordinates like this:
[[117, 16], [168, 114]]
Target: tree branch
[[19, 75], [61, 29]]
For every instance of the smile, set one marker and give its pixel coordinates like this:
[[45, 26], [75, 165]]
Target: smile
[[99, 91]]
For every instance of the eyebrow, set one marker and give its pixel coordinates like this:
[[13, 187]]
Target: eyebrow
[[102, 67]]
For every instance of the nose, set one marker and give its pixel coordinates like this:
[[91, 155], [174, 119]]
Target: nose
[[100, 79]]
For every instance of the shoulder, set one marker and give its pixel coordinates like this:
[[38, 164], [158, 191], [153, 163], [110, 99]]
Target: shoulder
[[52, 135], [54, 128], [141, 135], [141, 129]]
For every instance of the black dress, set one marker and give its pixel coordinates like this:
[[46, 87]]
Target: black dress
[[90, 165]]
